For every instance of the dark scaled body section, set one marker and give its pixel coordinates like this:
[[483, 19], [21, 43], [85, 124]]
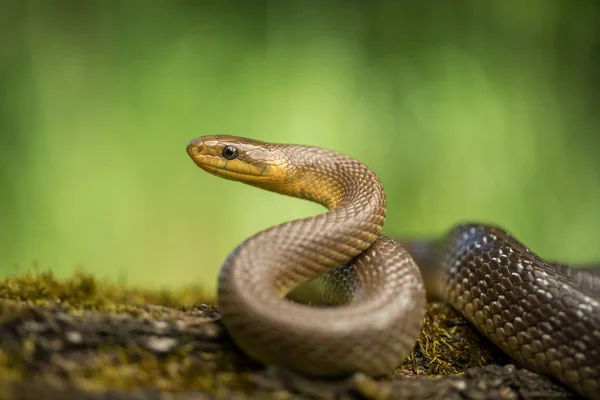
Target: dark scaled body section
[[545, 316]]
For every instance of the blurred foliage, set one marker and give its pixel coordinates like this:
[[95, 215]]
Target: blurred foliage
[[467, 110]]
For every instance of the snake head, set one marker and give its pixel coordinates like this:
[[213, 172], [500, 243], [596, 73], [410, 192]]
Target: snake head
[[240, 159]]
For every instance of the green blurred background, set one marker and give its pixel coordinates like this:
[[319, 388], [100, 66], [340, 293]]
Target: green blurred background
[[467, 110]]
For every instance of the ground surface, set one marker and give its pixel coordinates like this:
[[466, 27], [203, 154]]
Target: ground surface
[[80, 339]]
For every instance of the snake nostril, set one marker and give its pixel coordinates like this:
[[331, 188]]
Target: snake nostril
[[192, 147]]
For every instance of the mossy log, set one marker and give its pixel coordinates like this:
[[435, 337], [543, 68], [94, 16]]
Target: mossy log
[[81, 339]]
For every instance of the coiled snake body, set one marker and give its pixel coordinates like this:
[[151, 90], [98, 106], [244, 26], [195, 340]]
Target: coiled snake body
[[545, 316]]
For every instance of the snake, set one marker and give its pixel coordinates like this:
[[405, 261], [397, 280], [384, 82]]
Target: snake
[[371, 291]]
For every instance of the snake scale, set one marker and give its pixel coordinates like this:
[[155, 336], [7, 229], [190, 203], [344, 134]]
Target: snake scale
[[545, 316]]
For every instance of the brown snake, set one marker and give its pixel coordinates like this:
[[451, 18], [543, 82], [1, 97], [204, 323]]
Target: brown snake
[[545, 316]]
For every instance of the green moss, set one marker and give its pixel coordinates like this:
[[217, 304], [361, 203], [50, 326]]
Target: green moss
[[94, 369], [129, 368], [84, 291], [448, 345]]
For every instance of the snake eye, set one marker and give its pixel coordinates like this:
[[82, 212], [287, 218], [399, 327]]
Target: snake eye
[[230, 152]]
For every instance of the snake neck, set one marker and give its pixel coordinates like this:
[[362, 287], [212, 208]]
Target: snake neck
[[280, 258], [320, 175]]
